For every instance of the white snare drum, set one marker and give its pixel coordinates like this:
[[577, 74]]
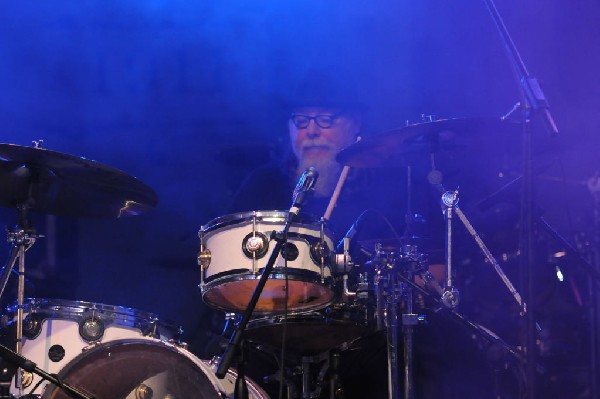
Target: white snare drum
[[235, 248], [56, 331], [146, 368]]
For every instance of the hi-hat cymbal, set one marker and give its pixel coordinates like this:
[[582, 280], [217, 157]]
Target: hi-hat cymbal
[[405, 145], [51, 182]]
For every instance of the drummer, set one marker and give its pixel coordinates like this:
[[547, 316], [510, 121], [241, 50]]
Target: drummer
[[325, 116]]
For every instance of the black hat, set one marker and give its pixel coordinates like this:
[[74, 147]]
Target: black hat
[[326, 87]]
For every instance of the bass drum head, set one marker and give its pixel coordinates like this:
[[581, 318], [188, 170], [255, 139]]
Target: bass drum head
[[137, 369]]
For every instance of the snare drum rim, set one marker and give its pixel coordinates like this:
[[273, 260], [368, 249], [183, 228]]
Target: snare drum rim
[[270, 217]]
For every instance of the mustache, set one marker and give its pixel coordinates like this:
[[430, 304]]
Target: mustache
[[320, 144]]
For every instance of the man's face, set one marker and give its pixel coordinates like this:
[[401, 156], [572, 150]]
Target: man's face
[[316, 143]]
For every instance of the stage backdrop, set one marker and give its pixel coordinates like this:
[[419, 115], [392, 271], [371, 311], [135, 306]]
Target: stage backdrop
[[187, 97]]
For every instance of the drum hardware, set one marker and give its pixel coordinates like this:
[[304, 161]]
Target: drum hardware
[[321, 250], [255, 245], [391, 293], [329, 362], [303, 189], [204, 257], [91, 328], [21, 239], [450, 297], [143, 391], [308, 376], [264, 242]]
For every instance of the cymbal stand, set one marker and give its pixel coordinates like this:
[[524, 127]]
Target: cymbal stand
[[22, 239], [390, 313], [450, 297]]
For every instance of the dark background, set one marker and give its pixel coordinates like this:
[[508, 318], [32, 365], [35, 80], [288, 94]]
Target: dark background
[[186, 96]]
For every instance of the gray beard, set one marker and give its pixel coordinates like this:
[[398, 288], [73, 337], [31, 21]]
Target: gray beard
[[329, 173]]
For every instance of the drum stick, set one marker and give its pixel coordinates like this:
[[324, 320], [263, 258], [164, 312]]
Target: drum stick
[[338, 189]]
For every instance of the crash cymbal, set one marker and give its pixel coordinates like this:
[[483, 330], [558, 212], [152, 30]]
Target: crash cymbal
[[51, 182], [409, 144]]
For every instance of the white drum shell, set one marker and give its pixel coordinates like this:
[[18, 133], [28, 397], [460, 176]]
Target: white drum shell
[[231, 275], [227, 255]]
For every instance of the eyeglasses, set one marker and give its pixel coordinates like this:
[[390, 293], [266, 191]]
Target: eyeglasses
[[323, 121]]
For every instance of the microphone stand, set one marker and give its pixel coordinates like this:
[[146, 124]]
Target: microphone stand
[[532, 102], [305, 185], [27, 365]]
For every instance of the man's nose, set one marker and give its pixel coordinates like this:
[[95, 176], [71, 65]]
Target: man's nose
[[313, 130]]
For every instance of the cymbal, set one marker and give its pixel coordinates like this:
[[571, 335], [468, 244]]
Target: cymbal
[[55, 183], [408, 144]]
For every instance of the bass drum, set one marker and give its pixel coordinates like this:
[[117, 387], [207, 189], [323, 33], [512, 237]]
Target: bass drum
[[55, 331], [144, 369]]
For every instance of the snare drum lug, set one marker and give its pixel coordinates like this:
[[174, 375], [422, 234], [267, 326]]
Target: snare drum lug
[[255, 245], [204, 258]]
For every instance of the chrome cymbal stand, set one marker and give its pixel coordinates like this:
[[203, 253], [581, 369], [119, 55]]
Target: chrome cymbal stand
[[450, 296], [391, 293], [22, 239]]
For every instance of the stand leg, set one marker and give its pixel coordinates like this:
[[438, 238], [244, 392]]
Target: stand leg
[[391, 322], [20, 300], [409, 320]]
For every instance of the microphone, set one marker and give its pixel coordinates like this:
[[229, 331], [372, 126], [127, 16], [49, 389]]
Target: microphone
[[305, 186]]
